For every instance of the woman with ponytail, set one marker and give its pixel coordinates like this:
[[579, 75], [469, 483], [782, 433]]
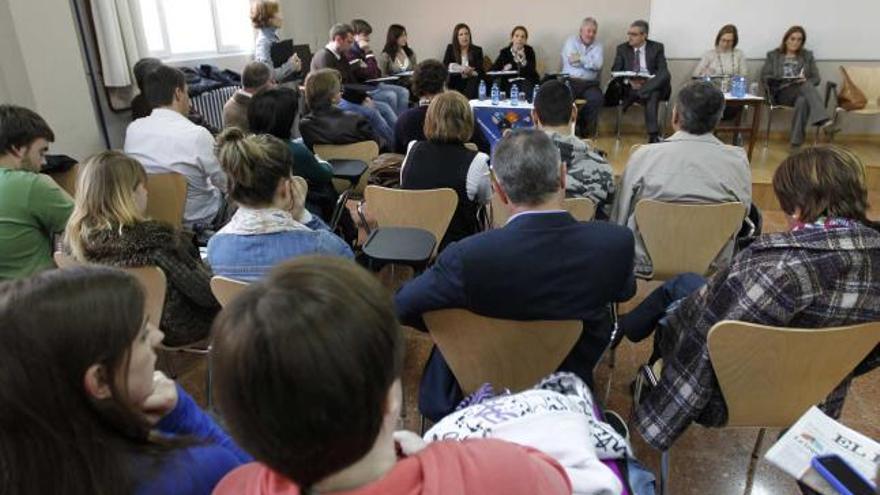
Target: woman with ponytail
[[271, 223]]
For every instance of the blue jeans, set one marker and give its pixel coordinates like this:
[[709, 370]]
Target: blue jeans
[[380, 126], [396, 96], [641, 322]]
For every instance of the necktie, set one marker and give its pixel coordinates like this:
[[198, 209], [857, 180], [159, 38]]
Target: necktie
[[636, 62]]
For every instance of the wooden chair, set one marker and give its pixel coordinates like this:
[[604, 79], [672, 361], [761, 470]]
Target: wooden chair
[[770, 376], [67, 180], [684, 238], [867, 80], [225, 289], [365, 151], [166, 199], [429, 209], [582, 209], [65, 261], [506, 353], [155, 286]]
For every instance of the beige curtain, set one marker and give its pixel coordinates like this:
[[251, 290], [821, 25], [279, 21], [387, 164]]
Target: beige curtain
[[120, 40]]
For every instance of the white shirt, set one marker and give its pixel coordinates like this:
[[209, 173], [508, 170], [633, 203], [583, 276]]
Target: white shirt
[[166, 141]]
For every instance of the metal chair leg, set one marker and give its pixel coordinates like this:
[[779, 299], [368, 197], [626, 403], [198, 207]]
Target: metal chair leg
[[619, 116], [769, 121], [753, 461], [209, 380]]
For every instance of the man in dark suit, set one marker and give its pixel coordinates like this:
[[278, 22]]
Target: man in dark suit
[[542, 264], [639, 54]]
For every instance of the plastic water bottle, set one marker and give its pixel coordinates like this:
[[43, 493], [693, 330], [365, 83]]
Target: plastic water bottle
[[514, 95], [496, 93], [482, 90], [740, 86], [534, 94]]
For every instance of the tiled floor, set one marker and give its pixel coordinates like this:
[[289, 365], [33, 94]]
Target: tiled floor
[[703, 461]]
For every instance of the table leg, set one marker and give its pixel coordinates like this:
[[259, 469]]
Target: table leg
[[756, 121]]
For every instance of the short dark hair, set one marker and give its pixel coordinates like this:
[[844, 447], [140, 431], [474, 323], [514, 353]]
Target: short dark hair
[[340, 30], [360, 26], [700, 105], [272, 111], [255, 75], [429, 78], [143, 67], [727, 29], [321, 339], [553, 103], [641, 24], [19, 127], [161, 83]]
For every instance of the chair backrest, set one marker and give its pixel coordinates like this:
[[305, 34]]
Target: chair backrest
[[582, 209], [770, 376], [225, 289], [67, 180], [683, 238], [166, 198], [366, 151], [65, 261], [428, 209], [506, 353], [210, 104]]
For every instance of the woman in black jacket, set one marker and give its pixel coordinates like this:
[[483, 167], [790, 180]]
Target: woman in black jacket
[[464, 60], [520, 57]]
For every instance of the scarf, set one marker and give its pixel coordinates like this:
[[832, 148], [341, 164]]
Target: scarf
[[250, 221]]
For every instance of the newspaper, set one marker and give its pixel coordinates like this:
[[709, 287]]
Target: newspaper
[[816, 434]]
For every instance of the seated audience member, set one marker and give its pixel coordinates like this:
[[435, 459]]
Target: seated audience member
[[328, 318], [724, 61], [365, 66], [272, 112], [355, 99], [792, 77], [141, 107], [588, 174], [520, 57], [84, 410], [255, 78], [464, 60], [691, 166], [326, 122], [575, 269], [823, 273], [32, 206], [109, 227], [271, 223], [167, 142], [639, 54], [267, 19], [444, 161], [582, 60], [396, 56], [429, 80]]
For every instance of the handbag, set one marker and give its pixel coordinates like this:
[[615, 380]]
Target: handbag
[[850, 96]]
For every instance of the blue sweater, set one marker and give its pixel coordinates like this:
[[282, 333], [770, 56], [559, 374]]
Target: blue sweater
[[193, 470]]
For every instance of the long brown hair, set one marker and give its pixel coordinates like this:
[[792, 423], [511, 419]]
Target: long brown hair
[[456, 47], [823, 181], [789, 32], [54, 437]]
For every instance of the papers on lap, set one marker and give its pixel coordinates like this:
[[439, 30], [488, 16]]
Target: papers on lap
[[632, 74]]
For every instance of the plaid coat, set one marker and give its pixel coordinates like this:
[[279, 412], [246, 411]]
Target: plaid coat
[[811, 278]]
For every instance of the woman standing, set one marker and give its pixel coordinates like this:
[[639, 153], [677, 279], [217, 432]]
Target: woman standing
[[396, 56], [791, 77], [267, 20], [464, 60], [520, 57]]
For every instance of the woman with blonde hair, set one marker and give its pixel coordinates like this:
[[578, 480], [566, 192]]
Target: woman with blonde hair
[[109, 226], [271, 223], [444, 161]]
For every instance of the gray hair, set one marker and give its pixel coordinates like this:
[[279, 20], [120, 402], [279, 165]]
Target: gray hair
[[590, 20], [641, 24], [340, 29], [526, 164], [699, 105]]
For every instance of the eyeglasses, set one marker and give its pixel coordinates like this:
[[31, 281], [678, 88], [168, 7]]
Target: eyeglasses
[[633, 34]]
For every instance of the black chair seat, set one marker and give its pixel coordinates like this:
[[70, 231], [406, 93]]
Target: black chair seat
[[350, 170], [401, 245]]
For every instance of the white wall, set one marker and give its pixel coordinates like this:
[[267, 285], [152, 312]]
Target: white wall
[[43, 69]]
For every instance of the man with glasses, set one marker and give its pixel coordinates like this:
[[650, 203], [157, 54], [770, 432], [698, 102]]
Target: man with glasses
[[644, 56]]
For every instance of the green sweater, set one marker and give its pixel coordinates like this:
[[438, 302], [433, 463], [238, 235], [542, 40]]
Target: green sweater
[[32, 208]]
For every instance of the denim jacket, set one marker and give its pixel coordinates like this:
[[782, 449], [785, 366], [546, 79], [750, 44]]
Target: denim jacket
[[256, 240]]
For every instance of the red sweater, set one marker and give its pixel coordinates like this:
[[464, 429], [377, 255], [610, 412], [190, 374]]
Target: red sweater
[[461, 468]]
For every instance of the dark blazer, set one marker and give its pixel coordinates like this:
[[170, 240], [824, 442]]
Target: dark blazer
[[332, 125], [655, 59], [528, 71], [475, 58], [538, 266], [772, 68]]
